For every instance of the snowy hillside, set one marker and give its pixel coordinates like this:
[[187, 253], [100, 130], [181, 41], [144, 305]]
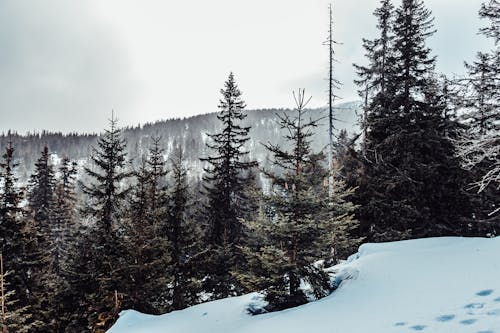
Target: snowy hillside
[[432, 285]]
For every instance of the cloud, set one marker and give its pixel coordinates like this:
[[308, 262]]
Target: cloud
[[65, 64], [60, 67]]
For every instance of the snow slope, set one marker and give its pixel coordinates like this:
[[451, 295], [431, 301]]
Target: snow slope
[[445, 285]]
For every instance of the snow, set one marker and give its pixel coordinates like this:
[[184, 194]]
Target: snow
[[426, 285]]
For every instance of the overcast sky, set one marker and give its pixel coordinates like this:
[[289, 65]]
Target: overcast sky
[[64, 65]]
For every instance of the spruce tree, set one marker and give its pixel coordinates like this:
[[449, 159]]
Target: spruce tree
[[297, 224], [14, 318], [63, 213], [373, 78], [105, 194], [224, 182], [411, 186], [44, 279], [65, 227], [490, 10], [105, 198], [183, 238], [146, 236], [41, 190], [478, 146], [12, 237]]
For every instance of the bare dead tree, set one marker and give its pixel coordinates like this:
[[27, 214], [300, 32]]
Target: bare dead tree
[[332, 85]]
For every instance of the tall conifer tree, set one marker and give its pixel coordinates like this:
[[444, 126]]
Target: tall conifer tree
[[183, 236], [301, 222], [412, 185], [104, 205], [12, 237], [224, 182], [479, 145], [146, 236]]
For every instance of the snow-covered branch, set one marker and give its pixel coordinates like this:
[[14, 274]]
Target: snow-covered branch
[[480, 149]]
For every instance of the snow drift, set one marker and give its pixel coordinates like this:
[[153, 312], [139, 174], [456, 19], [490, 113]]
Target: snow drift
[[429, 285]]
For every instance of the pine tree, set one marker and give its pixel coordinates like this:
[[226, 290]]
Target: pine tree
[[482, 97], [105, 196], [183, 238], [37, 239], [490, 11], [63, 213], [224, 182], [479, 146], [374, 78], [81, 281], [411, 185], [13, 317], [146, 238], [64, 234], [48, 232], [41, 190], [12, 237], [299, 225], [10, 213]]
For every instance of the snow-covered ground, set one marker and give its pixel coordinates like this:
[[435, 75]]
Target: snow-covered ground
[[445, 285]]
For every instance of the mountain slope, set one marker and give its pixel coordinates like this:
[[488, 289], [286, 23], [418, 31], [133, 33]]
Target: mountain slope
[[190, 132], [429, 285]]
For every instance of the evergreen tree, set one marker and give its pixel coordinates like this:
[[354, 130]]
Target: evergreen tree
[[224, 187], [63, 213], [146, 236], [479, 145], [105, 196], [491, 10], [41, 190], [482, 96], [81, 281], [14, 318], [12, 237], [183, 238], [64, 233], [48, 230], [301, 221], [373, 78], [412, 182]]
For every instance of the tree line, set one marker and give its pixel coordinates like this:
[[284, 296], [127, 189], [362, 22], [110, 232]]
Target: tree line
[[78, 247]]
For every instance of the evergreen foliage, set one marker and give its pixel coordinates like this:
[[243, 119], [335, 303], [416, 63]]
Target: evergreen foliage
[[12, 231], [105, 197], [224, 183], [479, 145], [133, 236], [184, 238], [302, 223], [146, 236], [41, 237], [14, 318], [412, 184]]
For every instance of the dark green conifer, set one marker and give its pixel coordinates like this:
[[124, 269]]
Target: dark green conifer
[[224, 182]]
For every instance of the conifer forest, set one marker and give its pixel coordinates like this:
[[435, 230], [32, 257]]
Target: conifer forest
[[164, 216]]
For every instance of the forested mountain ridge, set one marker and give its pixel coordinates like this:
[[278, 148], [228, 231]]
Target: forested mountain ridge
[[190, 132]]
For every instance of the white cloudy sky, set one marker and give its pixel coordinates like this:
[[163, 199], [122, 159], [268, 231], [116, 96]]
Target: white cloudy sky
[[65, 64]]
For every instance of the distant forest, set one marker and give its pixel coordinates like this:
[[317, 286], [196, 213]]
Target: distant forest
[[190, 133]]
